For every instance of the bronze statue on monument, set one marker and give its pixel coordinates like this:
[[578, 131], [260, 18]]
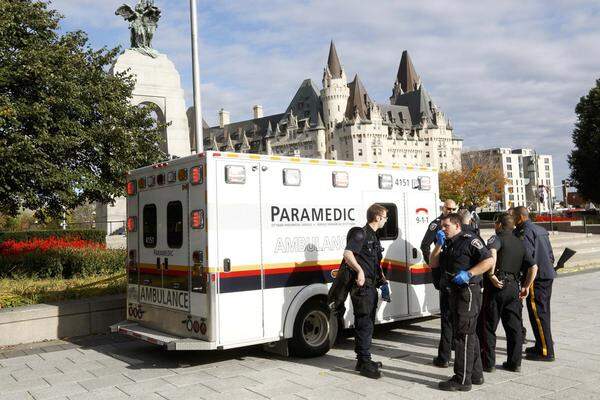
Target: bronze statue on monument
[[143, 20]]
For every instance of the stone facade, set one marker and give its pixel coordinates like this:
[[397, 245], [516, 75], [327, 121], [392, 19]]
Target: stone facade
[[340, 121], [525, 172]]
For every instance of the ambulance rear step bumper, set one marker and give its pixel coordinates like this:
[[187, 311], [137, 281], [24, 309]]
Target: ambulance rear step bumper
[[170, 342]]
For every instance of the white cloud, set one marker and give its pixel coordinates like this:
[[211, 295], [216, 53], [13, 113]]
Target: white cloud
[[506, 73]]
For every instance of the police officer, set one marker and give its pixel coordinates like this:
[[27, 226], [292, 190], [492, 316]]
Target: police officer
[[463, 258], [363, 254], [502, 295], [537, 244], [445, 346]]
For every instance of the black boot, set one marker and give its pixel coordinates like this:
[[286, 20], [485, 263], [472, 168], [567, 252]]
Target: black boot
[[451, 385], [359, 364], [369, 369]]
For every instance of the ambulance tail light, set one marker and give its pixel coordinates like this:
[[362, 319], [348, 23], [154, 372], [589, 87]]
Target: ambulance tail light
[[131, 224], [197, 219], [131, 188], [196, 175]]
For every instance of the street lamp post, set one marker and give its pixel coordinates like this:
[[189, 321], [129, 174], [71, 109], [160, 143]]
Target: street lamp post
[[196, 78]]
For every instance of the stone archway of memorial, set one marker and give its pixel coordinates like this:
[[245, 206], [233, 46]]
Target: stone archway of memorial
[[159, 116]]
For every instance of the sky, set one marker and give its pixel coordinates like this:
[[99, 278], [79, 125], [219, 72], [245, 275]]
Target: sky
[[506, 73]]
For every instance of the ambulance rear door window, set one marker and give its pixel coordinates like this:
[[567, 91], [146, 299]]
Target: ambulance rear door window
[[390, 229], [149, 224], [174, 224]]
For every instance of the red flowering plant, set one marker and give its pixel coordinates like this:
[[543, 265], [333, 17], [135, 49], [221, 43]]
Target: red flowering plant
[[16, 248], [58, 257]]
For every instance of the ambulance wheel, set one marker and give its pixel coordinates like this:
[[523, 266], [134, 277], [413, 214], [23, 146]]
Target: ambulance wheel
[[314, 330]]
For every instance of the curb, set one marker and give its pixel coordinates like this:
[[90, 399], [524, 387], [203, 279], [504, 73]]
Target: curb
[[73, 318]]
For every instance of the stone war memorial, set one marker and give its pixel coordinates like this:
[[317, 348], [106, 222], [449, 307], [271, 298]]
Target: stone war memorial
[[158, 84]]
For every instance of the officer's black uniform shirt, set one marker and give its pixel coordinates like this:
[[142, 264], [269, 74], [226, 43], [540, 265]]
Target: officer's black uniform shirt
[[512, 258], [462, 252], [537, 243], [429, 237], [367, 250]]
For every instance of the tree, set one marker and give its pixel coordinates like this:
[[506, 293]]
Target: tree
[[477, 183], [585, 157], [68, 133]]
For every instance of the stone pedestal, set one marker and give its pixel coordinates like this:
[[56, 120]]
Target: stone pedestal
[[158, 82]]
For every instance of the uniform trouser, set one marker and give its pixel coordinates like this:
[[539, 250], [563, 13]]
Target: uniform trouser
[[445, 345], [465, 303], [501, 304], [364, 303], [538, 306]]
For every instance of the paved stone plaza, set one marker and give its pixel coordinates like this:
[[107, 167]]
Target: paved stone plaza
[[114, 367]]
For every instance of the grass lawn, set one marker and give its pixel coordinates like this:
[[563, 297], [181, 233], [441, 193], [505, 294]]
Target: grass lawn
[[25, 291]]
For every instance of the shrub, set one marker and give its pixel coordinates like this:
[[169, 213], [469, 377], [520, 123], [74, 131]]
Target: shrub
[[59, 257], [93, 235]]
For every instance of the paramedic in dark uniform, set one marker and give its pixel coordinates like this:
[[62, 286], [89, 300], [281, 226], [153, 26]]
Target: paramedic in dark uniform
[[363, 254], [445, 346], [537, 243], [463, 258], [503, 293]]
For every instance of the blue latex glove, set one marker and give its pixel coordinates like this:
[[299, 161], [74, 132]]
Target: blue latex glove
[[385, 292], [462, 278], [440, 237]]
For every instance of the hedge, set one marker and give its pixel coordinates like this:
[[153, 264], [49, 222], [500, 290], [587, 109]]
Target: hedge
[[64, 262], [93, 235]]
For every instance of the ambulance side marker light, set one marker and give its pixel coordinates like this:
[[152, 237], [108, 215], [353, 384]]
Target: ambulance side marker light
[[385, 181], [141, 183], [291, 177], [235, 174], [160, 179], [171, 176], [131, 224], [340, 179], [132, 259]]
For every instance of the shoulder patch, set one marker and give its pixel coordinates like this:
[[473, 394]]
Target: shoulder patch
[[467, 235], [477, 244], [491, 239], [433, 226]]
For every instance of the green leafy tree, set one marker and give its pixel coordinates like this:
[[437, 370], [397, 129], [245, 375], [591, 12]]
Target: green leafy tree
[[68, 133], [585, 158]]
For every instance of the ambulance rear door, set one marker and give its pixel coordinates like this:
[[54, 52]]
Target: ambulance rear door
[[164, 252]]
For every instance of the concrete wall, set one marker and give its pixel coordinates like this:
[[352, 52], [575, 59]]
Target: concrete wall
[[54, 321]]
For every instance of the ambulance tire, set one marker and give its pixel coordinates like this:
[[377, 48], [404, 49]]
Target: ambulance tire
[[315, 330]]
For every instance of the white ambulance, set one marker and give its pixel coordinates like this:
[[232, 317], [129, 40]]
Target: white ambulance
[[228, 250]]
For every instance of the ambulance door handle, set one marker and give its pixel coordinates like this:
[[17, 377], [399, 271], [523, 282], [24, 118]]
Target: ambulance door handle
[[254, 168], [227, 265], [157, 262], [166, 263], [415, 254]]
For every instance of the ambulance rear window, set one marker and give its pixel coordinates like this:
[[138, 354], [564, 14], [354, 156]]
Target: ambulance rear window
[[174, 224], [149, 223], [390, 229]]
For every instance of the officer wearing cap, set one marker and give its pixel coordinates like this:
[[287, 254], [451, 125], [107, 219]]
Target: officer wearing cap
[[445, 346], [363, 254], [503, 293], [537, 244], [463, 258]]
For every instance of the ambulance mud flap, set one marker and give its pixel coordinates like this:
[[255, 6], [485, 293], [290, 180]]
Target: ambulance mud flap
[[170, 342]]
